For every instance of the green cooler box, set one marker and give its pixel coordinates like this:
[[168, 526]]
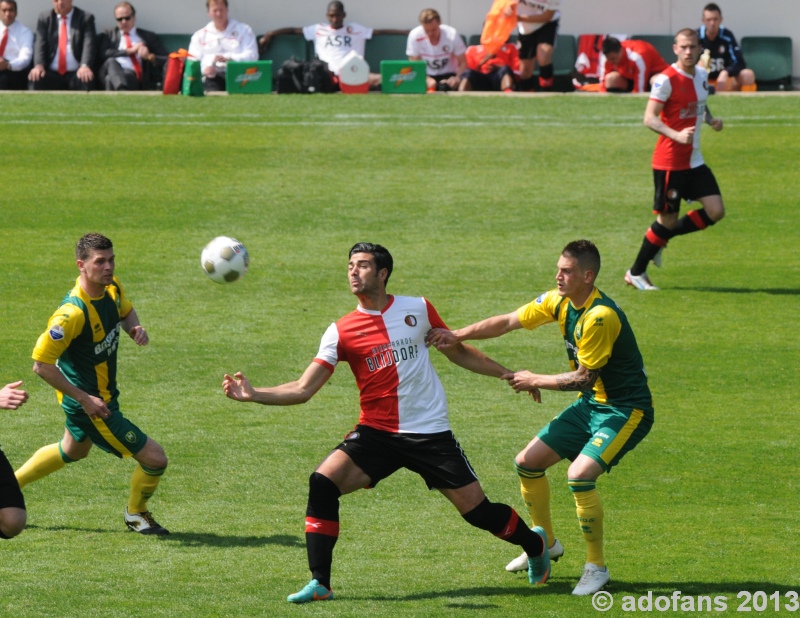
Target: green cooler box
[[249, 77], [403, 76]]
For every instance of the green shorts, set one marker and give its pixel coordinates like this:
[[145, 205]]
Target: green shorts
[[115, 435], [602, 432]]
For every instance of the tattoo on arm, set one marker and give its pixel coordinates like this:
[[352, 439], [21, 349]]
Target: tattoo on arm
[[580, 380]]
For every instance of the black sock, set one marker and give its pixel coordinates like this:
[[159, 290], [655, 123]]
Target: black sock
[[322, 526]]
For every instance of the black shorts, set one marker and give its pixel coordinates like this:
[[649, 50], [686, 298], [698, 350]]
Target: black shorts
[[529, 42], [436, 457], [672, 187], [10, 494], [487, 82]]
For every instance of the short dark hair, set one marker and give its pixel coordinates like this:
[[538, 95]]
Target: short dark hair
[[713, 7], [586, 253], [383, 259], [611, 45], [12, 2], [91, 242], [336, 6], [210, 2]]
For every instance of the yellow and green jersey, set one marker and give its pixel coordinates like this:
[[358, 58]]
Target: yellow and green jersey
[[598, 337], [82, 337]]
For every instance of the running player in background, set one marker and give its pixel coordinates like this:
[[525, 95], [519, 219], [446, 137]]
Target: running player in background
[[77, 356], [613, 412], [676, 111], [403, 421]]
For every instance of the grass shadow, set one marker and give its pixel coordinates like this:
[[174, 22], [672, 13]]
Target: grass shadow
[[209, 539], [193, 539]]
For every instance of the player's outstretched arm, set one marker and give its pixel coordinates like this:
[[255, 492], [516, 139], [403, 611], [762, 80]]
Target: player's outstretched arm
[[238, 387], [12, 396], [496, 326], [524, 381], [474, 360]]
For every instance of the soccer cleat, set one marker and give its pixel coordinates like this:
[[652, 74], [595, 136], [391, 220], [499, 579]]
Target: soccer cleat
[[314, 591], [520, 563], [640, 282], [143, 523], [658, 258], [593, 579], [539, 566]]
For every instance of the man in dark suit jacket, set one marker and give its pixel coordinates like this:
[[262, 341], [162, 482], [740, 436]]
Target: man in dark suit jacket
[[132, 58], [72, 69]]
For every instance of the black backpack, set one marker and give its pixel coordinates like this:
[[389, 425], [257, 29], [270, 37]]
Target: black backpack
[[317, 77], [290, 76], [310, 77]]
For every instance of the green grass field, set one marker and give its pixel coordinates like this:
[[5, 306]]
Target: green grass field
[[475, 197]]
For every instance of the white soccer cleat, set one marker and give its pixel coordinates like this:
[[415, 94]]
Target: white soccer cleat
[[520, 563], [143, 523], [640, 282], [593, 579], [658, 258]]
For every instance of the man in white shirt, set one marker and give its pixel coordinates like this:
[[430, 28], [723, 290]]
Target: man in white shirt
[[335, 40], [442, 49], [16, 48], [132, 58], [222, 40]]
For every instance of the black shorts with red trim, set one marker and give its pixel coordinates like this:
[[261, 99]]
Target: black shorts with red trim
[[673, 186], [10, 494], [528, 43], [436, 457]]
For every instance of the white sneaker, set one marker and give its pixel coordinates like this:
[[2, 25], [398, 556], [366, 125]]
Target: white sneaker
[[658, 258], [593, 579], [143, 523], [640, 282], [521, 562]]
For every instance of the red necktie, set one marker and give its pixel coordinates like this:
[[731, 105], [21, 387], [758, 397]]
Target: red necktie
[[137, 67], [62, 46], [3, 43]]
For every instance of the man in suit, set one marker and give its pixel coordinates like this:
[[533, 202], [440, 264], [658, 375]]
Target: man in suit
[[64, 52], [16, 48], [132, 58]]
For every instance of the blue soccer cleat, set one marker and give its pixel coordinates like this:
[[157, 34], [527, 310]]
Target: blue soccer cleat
[[314, 591], [539, 566]]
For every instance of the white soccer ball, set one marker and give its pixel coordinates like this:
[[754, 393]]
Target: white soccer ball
[[225, 259]]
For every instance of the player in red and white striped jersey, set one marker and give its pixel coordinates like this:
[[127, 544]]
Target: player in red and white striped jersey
[[676, 111], [403, 421]]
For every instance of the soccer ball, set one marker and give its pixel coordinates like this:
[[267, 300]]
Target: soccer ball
[[225, 259]]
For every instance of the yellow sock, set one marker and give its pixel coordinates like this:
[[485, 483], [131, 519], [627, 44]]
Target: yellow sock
[[44, 461], [535, 489], [590, 518], [143, 485], [749, 87]]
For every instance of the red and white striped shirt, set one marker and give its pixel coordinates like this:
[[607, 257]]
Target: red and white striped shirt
[[400, 390], [684, 97]]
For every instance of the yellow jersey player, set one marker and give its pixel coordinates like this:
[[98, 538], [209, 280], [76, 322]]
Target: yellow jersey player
[[613, 412], [77, 356]]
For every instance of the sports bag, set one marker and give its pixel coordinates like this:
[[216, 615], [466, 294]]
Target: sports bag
[[290, 77]]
